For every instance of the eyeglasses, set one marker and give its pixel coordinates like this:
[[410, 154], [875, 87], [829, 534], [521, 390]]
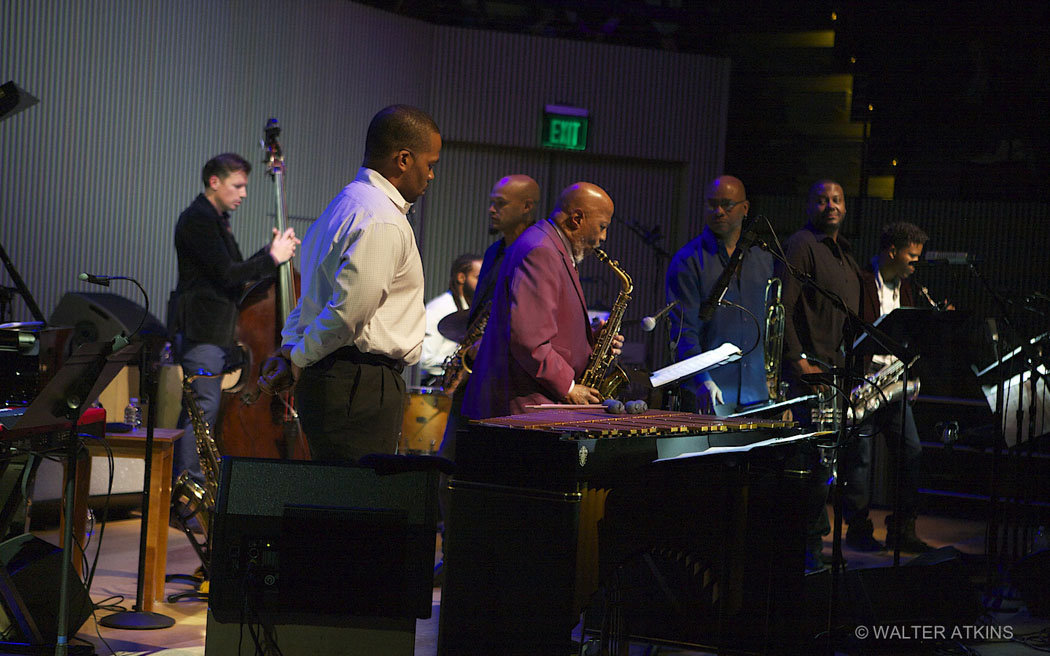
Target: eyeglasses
[[726, 204]]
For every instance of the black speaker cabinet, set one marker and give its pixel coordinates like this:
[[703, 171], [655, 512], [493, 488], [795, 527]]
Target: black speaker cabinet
[[98, 316], [31, 585], [510, 570], [314, 544], [932, 589], [1031, 575]]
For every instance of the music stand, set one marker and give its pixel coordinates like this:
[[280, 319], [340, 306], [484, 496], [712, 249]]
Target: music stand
[[63, 400], [1023, 387], [906, 333]]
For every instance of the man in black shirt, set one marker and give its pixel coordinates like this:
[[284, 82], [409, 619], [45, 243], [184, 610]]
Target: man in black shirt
[[814, 326], [212, 276]]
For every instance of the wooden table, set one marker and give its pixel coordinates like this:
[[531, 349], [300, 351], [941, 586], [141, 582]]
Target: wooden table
[[133, 445]]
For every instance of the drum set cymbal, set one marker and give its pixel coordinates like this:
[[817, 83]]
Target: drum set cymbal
[[455, 325]]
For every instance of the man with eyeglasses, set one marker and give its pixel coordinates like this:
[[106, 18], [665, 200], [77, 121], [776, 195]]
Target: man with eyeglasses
[[693, 272]]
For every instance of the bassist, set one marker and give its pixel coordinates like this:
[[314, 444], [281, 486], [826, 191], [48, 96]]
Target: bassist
[[212, 275]]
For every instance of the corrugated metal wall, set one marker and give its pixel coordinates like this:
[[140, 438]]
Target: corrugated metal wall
[[136, 96]]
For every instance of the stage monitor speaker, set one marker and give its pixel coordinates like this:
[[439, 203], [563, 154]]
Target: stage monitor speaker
[[313, 544], [34, 573], [96, 316], [1031, 575], [931, 589]]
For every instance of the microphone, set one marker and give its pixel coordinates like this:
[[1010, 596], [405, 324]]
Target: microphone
[[649, 323], [946, 257], [718, 292], [95, 280], [17, 340]]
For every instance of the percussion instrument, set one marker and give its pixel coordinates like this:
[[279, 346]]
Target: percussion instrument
[[423, 424], [454, 326]]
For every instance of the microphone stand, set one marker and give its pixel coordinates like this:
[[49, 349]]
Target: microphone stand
[[898, 350], [650, 238], [138, 618], [76, 398], [674, 390], [90, 368]]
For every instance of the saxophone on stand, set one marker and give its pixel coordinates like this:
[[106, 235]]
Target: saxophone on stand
[[191, 499], [602, 373]]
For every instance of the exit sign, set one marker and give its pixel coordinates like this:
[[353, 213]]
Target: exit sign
[[564, 127]]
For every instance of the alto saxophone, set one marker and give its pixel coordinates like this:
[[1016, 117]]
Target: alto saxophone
[[457, 365], [601, 373], [190, 498]]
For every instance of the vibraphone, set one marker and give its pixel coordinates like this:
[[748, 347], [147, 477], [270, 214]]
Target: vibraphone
[[530, 517]]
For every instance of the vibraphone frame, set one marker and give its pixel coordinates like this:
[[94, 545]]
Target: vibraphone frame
[[529, 501]]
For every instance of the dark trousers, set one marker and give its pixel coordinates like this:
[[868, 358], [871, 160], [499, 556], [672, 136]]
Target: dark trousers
[[208, 391], [809, 459], [856, 467], [349, 409]]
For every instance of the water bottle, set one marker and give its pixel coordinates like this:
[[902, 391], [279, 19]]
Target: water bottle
[[166, 355], [133, 413]]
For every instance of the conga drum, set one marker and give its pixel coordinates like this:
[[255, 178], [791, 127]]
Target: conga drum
[[424, 421]]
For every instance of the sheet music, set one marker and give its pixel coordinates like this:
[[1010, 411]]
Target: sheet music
[[715, 450], [716, 357]]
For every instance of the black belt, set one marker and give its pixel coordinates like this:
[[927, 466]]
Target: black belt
[[353, 354]]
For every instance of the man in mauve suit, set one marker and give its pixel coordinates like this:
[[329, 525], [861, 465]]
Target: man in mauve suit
[[538, 338]]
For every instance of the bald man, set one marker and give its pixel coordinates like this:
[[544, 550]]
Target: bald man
[[693, 272], [538, 337], [512, 208], [360, 320]]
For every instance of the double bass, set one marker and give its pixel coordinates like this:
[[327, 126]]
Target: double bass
[[253, 423]]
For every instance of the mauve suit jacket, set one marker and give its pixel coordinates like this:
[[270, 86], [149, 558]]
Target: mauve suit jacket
[[538, 338]]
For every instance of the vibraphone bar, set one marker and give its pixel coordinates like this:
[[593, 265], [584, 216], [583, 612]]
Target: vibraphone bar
[[597, 422]]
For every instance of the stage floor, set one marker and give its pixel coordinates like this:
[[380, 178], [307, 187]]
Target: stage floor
[[115, 584]]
